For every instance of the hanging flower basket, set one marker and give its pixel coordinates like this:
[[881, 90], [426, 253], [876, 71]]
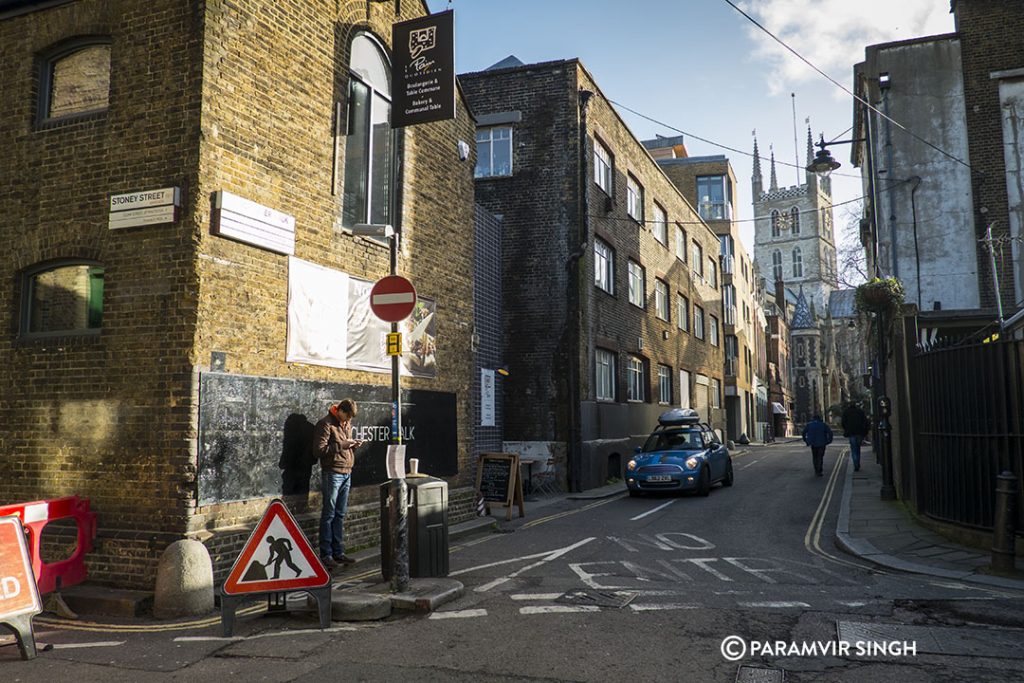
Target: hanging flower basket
[[879, 295]]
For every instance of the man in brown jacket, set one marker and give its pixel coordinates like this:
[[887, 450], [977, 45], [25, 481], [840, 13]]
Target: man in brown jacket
[[335, 448]]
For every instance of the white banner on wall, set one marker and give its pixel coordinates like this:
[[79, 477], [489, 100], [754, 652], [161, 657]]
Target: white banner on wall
[[486, 398], [318, 313]]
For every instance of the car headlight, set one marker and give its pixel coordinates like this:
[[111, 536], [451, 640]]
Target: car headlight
[[692, 463], [631, 465]]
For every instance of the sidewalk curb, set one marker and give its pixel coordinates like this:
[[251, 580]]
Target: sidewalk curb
[[865, 550]]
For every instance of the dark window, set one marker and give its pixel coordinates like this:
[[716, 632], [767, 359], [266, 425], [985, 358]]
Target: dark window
[[75, 80], [63, 298], [368, 143]]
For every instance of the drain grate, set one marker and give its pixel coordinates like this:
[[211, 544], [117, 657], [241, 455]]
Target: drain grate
[[616, 599]]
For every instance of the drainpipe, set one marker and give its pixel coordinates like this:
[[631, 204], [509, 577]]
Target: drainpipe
[[917, 253], [574, 446], [891, 190]]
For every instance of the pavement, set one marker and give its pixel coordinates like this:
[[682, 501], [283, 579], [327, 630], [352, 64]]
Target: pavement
[[885, 533]]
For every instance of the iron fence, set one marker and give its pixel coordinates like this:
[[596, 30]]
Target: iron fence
[[969, 421]]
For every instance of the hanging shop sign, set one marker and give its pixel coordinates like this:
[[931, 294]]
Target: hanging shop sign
[[423, 70]]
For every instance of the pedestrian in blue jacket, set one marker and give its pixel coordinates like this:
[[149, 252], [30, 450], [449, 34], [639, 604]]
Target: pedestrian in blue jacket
[[817, 435]]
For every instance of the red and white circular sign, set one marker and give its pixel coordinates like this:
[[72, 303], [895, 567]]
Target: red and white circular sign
[[392, 298]]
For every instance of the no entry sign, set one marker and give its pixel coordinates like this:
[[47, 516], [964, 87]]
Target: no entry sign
[[392, 298]]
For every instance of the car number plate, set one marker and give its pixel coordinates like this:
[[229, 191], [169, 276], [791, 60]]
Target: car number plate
[[659, 477]]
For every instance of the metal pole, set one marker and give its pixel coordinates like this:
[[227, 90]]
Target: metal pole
[[400, 577], [888, 491], [995, 275], [1003, 549]]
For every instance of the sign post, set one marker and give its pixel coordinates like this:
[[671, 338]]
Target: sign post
[[19, 595]]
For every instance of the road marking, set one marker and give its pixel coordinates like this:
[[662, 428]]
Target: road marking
[[812, 539], [773, 604], [258, 636], [554, 555], [558, 609], [535, 596], [75, 646], [749, 464], [559, 515], [651, 512], [500, 562], [854, 603], [459, 614], [74, 625], [668, 605]]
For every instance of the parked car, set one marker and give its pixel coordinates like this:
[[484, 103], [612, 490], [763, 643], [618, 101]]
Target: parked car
[[681, 454]]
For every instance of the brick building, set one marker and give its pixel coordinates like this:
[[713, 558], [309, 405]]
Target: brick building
[[611, 283], [708, 182], [162, 361]]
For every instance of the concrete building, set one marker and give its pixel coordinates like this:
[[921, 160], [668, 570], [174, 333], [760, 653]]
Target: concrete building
[[179, 187], [709, 183], [956, 175], [611, 290]]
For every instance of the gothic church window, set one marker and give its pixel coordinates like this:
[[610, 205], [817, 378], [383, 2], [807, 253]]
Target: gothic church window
[[776, 223], [794, 220], [798, 263], [777, 265]]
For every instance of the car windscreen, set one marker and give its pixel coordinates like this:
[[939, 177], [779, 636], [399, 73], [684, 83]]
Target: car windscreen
[[674, 440]]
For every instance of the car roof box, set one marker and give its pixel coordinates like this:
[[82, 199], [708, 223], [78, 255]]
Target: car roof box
[[679, 416]]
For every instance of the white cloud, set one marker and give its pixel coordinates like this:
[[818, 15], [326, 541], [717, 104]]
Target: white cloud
[[832, 34]]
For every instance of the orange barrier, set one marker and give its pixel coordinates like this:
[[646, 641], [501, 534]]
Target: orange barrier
[[36, 515]]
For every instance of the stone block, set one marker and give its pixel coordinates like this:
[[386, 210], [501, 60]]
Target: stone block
[[184, 581]]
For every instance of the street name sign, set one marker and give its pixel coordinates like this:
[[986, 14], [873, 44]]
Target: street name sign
[[19, 595], [151, 207]]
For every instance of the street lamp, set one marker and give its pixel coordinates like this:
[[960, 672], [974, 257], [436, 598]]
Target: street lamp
[[400, 574], [822, 166]]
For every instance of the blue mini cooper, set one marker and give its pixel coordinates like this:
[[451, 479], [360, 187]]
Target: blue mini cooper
[[682, 454]]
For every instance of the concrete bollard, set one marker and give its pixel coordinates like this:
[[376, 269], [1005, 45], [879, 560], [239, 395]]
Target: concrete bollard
[[184, 581], [1003, 537]]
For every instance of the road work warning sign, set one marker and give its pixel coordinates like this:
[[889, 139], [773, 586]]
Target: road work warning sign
[[18, 593], [276, 558]]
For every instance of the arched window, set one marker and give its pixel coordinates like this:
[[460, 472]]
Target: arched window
[[777, 265], [776, 223], [75, 80], [64, 298], [798, 263], [368, 149], [794, 220]]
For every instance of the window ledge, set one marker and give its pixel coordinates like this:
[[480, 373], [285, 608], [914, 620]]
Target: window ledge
[[71, 119], [58, 339]]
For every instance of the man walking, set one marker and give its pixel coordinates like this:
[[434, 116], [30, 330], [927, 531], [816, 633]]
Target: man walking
[[855, 426], [334, 446], [817, 435]]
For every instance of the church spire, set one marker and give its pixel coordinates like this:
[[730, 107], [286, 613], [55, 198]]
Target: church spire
[[757, 181], [810, 144], [774, 184]]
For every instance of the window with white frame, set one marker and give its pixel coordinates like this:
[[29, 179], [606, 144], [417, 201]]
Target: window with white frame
[[712, 272], [659, 227], [697, 258], [794, 220], [716, 393], [604, 166], [604, 375], [714, 200], [776, 223], [637, 286], [493, 152], [777, 265], [604, 266], [682, 312], [635, 379], [698, 322], [661, 299], [680, 244], [798, 263], [713, 329], [634, 199], [664, 384], [368, 148]]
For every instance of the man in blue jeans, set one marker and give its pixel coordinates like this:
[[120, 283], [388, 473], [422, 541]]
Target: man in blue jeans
[[335, 448], [817, 435], [855, 426]]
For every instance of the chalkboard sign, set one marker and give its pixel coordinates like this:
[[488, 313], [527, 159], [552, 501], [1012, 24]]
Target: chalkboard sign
[[249, 426], [498, 481]]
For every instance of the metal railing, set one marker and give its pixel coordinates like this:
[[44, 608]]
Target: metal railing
[[968, 406]]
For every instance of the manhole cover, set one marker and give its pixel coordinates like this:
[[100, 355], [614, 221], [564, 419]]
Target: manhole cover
[[616, 599]]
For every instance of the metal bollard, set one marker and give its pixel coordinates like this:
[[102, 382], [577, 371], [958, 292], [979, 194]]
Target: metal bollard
[[1003, 532]]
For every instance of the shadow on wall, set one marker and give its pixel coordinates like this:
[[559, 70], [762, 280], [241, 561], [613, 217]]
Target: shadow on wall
[[297, 458]]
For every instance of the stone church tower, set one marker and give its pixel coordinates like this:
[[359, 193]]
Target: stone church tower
[[794, 242]]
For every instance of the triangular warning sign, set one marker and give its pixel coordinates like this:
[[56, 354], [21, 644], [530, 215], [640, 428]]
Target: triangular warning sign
[[277, 557]]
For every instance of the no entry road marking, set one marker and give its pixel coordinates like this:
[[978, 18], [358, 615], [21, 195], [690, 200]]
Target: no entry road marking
[[558, 609], [459, 614]]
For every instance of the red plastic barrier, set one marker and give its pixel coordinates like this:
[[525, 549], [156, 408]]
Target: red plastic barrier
[[36, 515]]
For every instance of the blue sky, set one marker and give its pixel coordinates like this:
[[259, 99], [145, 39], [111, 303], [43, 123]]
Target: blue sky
[[700, 66]]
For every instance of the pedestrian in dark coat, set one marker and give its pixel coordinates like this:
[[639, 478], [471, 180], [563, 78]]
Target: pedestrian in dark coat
[[855, 426], [817, 435]]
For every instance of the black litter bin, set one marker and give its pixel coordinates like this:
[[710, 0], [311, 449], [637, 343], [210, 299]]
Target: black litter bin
[[428, 526]]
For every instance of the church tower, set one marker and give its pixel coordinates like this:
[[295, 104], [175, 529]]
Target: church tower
[[794, 239]]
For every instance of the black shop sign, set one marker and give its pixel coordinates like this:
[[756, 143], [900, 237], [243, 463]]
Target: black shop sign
[[423, 71]]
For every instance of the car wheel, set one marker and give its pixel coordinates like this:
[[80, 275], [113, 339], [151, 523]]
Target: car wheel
[[727, 481], [704, 485]]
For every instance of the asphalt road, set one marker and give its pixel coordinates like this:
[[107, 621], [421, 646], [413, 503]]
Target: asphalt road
[[637, 589]]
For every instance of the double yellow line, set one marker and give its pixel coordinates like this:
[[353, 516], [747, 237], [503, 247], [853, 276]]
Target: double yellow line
[[812, 539]]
